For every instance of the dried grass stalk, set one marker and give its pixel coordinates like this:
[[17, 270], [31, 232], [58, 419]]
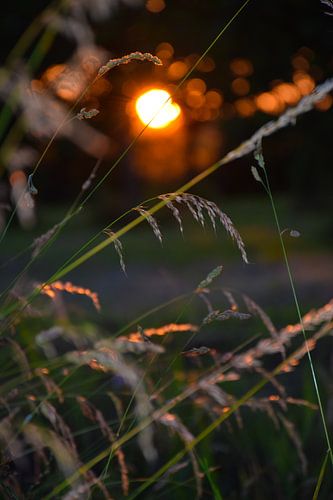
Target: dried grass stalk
[[68, 287], [134, 56]]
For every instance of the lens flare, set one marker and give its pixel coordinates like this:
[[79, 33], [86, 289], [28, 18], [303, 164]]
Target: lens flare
[[155, 102]]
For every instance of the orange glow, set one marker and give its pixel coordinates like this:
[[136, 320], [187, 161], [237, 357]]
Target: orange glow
[[195, 99], [163, 330], [241, 67], [164, 50], [53, 72], [50, 291], [214, 99], [177, 70], [288, 92], [304, 82], [325, 103], [155, 6], [17, 176], [269, 103], [240, 86], [206, 65], [36, 86], [245, 107], [196, 84], [155, 108]]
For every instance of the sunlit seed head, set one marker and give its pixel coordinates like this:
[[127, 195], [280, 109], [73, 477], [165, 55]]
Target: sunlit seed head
[[155, 102]]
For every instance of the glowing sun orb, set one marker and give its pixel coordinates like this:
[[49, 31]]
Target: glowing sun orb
[[155, 102]]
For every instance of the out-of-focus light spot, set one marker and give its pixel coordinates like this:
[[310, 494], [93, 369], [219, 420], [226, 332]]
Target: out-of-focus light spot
[[269, 103], [177, 70], [325, 103], [53, 72], [300, 62], [164, 50], [66, 84], [288, 92], [66, 93], [196, 85], [155, 6], [154, 102], [241, 67], [192, 59], [214, 99], [195, 99], [240, 86], [206, 65], [17, 176], [245, 107], [304, 82]]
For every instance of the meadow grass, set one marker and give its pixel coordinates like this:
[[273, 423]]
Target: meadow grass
[[90, 413]]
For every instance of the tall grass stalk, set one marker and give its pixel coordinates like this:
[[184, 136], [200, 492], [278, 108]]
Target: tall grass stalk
[[266, 184]]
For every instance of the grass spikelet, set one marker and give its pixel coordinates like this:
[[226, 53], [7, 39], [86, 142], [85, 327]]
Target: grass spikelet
[[173, 422], [231, 299], [50, 412], [196, 351], [151, 221], [296, 440], [95, 415], [134, 56], [136, 347], [255, 309], [106, 359], [83, 114], [40, 241], [49, 383], [40, 437], [68, 287], [223, 316], [203, 296], [87, 183], [9, 438], [197, 205], [172, 470], [210, 278], [19, 356], [163, 330], [119, 249], [174, 210]]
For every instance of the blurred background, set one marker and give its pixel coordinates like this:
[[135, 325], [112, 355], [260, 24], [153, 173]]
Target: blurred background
[[270, 56]]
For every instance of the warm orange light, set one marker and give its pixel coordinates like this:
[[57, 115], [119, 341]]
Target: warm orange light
[[155, 110]]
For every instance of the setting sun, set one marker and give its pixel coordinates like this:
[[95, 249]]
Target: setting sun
[[155, 102]]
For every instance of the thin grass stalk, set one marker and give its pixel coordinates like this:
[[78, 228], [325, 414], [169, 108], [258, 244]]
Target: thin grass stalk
[[299, 315], [320, 477]]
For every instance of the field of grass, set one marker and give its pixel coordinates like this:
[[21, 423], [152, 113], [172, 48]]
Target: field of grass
[[179, 348]]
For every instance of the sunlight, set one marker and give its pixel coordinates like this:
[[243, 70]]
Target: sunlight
[[151, 103]]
